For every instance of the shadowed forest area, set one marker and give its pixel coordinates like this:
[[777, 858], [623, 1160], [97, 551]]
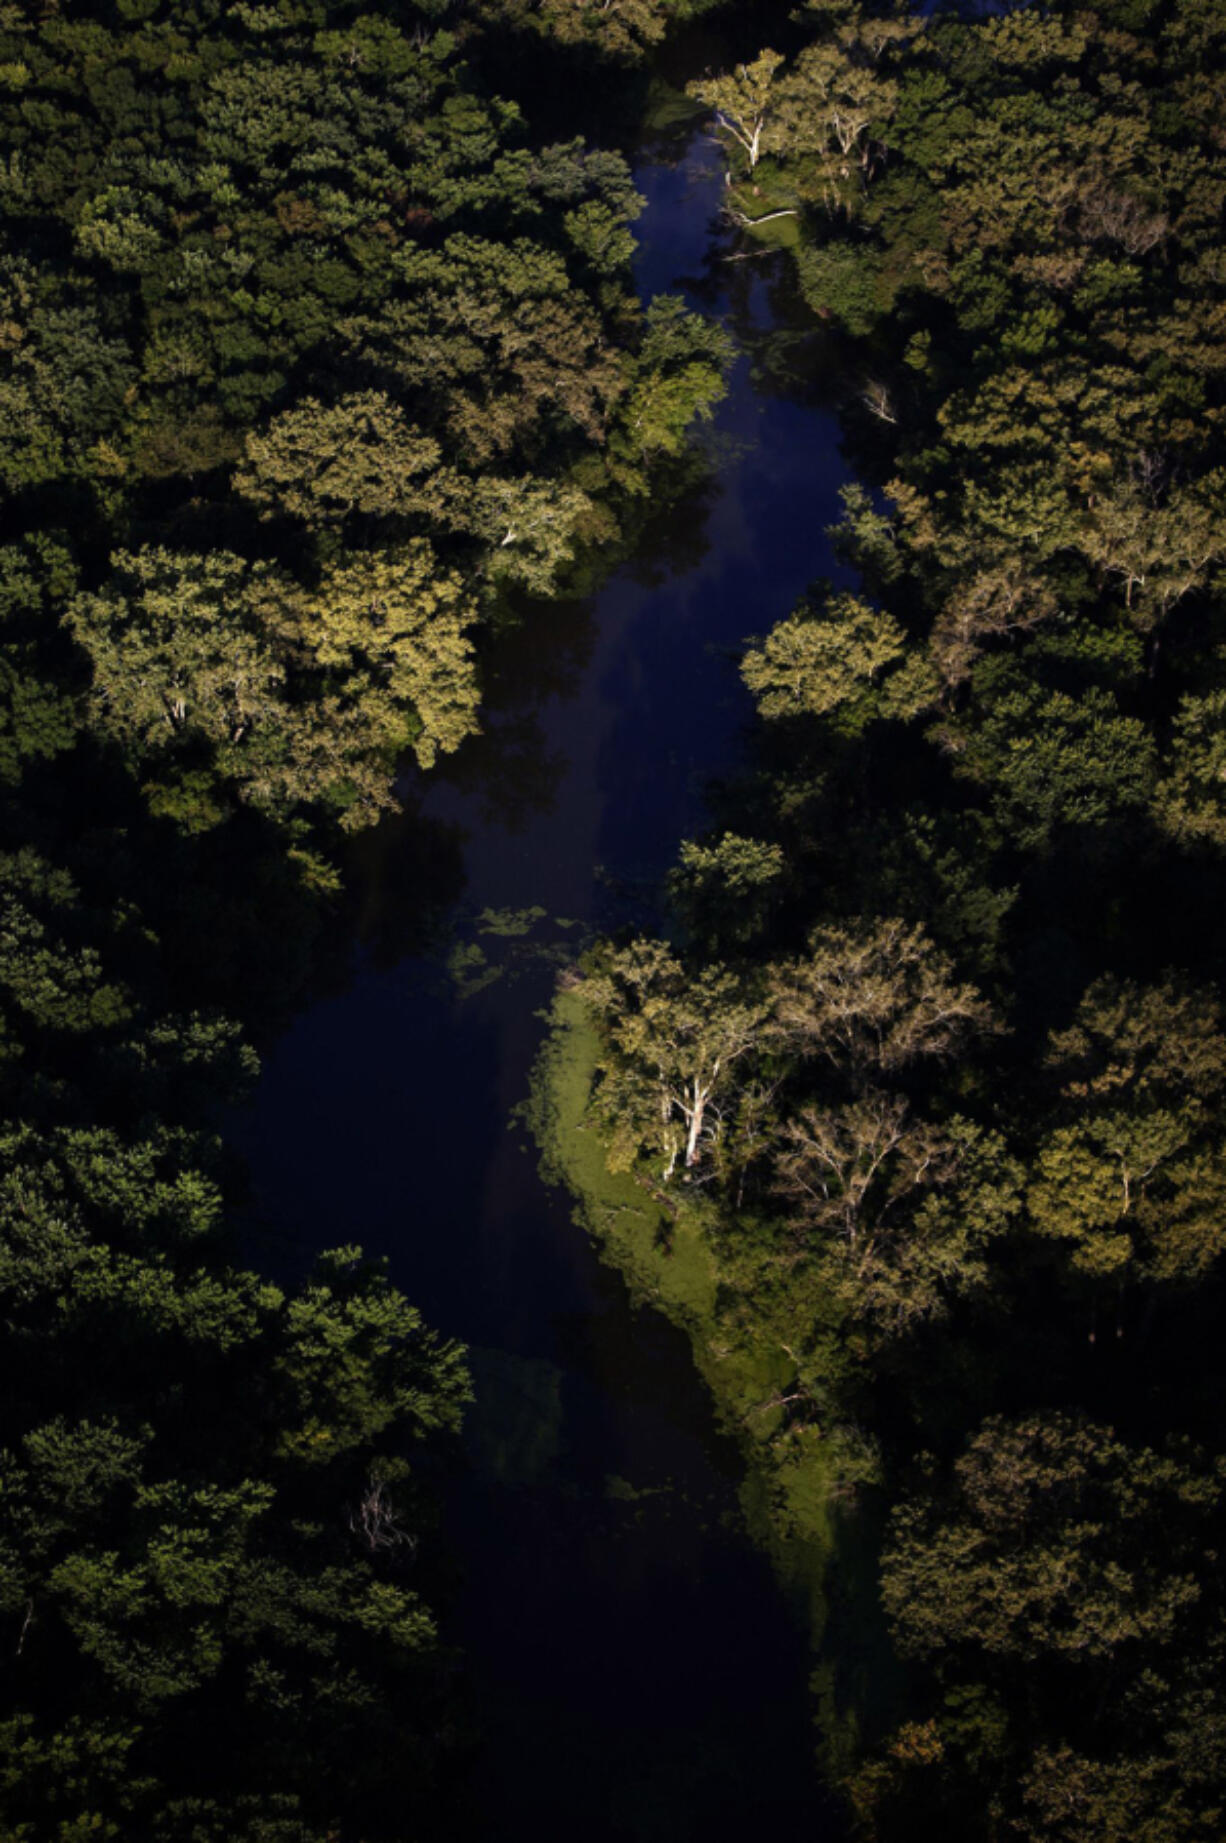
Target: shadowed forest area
[[932, 1057], [333, 390], [313, 358]]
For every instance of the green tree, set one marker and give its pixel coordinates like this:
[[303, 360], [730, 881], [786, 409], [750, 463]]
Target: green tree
[[899, 1214], [722, 891], [396, 625], [1043, 1546], [742, 103], [874, 999], [1132, 1179], [1189, 800], [176, 650], [838, 657], [680, 1041], [323, 465]]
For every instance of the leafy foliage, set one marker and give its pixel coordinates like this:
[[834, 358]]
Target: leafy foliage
[[296, 318], [962, 1192], [312, 362], [184, 1445]]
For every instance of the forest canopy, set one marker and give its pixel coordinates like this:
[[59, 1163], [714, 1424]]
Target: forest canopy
[[316, 365], [306, 335], [931, 1061]]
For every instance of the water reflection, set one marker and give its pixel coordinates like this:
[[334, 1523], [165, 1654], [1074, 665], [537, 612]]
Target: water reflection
[[636, 1672]]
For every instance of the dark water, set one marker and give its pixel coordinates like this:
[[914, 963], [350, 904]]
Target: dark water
[[637, 1672]]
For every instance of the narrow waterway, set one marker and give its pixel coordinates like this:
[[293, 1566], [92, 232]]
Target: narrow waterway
[[637, 1672]]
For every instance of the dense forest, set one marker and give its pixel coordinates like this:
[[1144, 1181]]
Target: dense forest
[[933, 1058], [314, 359], [321, 366]]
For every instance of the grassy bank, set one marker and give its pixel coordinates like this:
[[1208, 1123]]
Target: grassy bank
[[662, 1249]]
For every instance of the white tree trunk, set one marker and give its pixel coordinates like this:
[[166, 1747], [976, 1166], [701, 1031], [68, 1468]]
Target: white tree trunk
[[701, 1097]]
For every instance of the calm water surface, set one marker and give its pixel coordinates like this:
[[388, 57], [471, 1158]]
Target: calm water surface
[[637, 1672]]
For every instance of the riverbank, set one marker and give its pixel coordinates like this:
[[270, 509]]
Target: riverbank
[[636, 1669], [659, 1245]]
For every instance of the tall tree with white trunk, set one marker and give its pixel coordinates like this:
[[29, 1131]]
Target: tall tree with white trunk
[[683, 1049]]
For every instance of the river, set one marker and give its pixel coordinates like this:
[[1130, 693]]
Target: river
[[636, 1671]]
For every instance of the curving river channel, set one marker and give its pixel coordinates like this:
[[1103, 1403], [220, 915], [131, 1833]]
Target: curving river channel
[[638, 1674]]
